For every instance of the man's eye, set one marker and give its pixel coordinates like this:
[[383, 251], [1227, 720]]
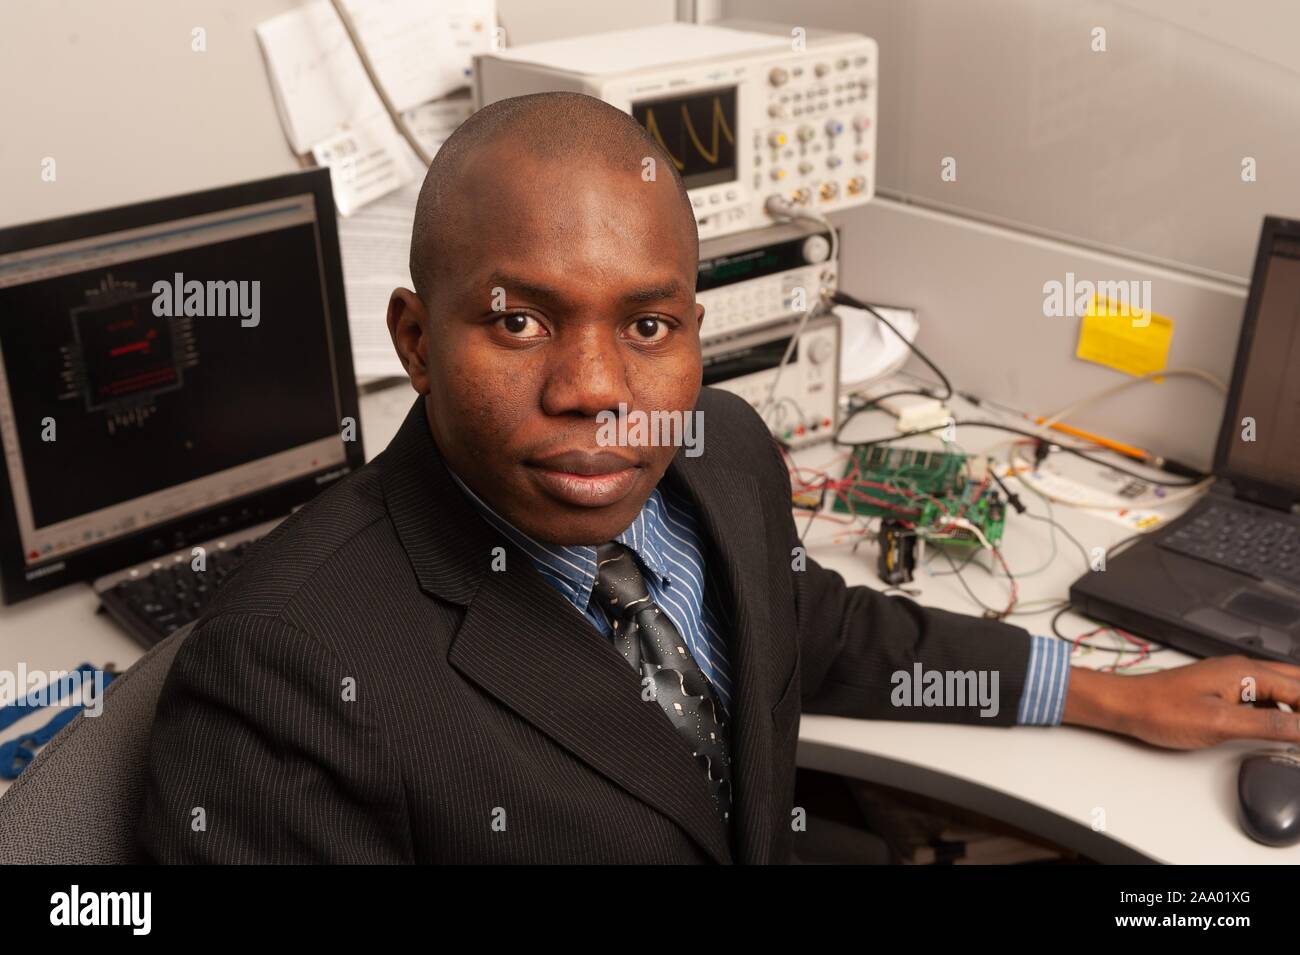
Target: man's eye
[[650, 330], [521, 325]]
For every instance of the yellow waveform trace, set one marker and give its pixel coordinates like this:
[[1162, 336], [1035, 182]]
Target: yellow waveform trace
[[652, 127], [718, 125], [718, 129]]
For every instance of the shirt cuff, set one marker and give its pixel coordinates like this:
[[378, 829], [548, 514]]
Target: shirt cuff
[[1047, 679]]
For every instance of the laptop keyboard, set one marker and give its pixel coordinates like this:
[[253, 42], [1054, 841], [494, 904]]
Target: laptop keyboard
[[156, 604], [1248, 541]]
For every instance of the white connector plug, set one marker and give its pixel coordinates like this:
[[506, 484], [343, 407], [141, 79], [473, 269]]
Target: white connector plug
[[923, 415]]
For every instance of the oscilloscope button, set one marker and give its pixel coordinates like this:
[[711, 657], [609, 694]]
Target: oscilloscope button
[[778, 76]]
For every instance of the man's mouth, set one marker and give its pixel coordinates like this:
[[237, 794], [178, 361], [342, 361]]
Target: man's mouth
[[586, 478]]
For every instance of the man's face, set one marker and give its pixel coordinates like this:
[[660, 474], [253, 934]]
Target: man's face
[[571, 292]]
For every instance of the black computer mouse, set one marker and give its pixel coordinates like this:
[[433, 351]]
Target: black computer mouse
[[1268, 786]]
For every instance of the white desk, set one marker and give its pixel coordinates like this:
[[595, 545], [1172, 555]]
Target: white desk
[[1172, 807], [1159, 805]]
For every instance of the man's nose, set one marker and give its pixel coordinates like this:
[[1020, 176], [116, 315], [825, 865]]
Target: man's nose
[[587, 374]]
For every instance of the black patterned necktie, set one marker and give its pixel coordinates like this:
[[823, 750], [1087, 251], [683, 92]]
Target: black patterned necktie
[[649, 641]]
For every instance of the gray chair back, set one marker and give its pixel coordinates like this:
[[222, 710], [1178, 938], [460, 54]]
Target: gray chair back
[[79, 801]]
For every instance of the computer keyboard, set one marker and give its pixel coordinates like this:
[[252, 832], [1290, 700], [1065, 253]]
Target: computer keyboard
[[153, 604], [1248, 540]]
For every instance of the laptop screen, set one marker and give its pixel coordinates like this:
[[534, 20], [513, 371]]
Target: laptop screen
[[154, 374], [1261, 435]]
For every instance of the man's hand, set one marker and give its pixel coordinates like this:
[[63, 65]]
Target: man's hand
[[1192, 706]]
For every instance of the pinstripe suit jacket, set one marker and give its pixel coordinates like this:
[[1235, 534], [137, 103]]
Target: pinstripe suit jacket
[[368, 689]]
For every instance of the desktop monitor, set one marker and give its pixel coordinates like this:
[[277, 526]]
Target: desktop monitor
[[169, 372]]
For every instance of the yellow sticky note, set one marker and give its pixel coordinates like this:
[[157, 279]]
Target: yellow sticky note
[[1135, 342]]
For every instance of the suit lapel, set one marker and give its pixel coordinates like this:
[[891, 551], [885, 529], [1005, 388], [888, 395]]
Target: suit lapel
[[731, 510], [527, 646]]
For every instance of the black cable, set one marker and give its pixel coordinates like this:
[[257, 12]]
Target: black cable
[[812, 516], [841, 297], [1012, 498], [956, 570], [1058, 526], [995, 613], [1114, 550], [1030, 613], [1056, 632]]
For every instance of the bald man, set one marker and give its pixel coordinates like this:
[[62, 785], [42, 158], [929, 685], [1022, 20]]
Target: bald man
[[508, 640]]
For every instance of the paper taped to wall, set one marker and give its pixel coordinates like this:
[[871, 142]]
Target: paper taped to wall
[[1134, 342], [366, 161], [421, 50], [375, 242]]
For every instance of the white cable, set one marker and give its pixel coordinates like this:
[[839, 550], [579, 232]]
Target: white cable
[[967, 525], [779, 208], [1125, 385], [397, 118]]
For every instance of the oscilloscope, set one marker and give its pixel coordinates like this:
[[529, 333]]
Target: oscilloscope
[[746, 110]]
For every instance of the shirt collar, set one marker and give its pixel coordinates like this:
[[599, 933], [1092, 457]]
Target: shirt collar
[[572, 567]]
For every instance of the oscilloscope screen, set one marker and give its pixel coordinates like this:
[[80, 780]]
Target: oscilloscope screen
[[698, 131]]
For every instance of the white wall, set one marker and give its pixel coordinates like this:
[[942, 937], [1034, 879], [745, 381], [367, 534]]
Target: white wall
[[112, 91], [1136, 150], [1116, 166]]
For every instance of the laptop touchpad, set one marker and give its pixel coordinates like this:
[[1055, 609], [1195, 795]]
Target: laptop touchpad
[[1255, 606]]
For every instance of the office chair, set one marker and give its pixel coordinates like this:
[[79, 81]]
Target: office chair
[[79, 801]]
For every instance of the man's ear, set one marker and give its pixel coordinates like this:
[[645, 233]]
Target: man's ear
[[408, 327]]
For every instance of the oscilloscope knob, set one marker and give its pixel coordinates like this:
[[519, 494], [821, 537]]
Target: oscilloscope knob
[[816, 248], [821, 351], [778, 76]]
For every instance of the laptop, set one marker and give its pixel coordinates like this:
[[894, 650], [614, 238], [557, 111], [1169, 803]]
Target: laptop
[[1225, 577], [175, 377]]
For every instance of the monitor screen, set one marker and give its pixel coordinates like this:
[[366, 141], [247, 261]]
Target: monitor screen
[[157, 372], [1266, 448], [698, 131]]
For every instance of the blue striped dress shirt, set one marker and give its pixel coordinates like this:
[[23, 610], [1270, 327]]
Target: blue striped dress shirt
[[665, 537], [666, 540]]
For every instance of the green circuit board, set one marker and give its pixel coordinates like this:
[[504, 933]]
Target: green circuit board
[[925, 488]]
